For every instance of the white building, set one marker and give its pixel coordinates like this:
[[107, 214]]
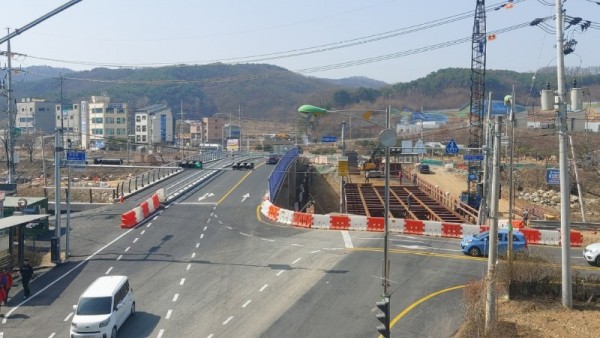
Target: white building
[[106, 122], [35, 115], [68, 117], [154, 125]]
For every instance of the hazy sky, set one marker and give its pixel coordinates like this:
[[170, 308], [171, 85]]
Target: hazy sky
[[322, 38]]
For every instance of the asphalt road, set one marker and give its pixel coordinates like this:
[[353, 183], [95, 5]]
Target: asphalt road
[[208, 266]]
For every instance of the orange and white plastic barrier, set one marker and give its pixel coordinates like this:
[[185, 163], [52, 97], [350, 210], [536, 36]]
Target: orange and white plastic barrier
[[136, 215], [399, 225]]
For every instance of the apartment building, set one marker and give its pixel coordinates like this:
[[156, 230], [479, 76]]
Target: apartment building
[[107, 122], [154, 125], [35, 115], [213, 129], [196, 133]]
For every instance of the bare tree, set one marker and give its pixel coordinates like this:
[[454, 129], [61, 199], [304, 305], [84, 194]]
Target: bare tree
[[29, 142]]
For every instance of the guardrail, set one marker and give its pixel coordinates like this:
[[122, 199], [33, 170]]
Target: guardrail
[[280, 170]]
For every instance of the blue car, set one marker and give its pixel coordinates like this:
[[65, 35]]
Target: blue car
[[478, 245]]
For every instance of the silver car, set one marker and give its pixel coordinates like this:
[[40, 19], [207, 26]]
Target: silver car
[[591, 253]]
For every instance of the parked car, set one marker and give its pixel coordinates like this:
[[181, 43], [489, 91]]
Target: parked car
[[478, 245], [591, 253], [424, 169], [272, 159]]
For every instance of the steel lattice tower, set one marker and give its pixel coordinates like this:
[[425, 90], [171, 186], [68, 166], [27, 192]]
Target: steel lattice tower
[[476, 106]]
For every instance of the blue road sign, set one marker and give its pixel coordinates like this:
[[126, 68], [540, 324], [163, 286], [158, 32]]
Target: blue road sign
[[75, 156], [451, 148], [553, 176], [328, 139], [473, 157]]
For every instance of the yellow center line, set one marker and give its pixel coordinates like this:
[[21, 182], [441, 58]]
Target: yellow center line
[[236, 185]]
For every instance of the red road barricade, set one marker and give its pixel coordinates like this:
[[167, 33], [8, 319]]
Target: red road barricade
[[375, 224], [302, 219], [155, 201], [145, 209], [128, 219], [576, 238], [533, 236], [451, 230], [412, 226], [341, 222], [273, 212]]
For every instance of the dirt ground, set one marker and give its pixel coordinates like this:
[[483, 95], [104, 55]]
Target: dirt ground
[[529, 318]]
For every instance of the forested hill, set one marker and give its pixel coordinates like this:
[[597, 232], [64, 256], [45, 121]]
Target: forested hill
[[266, 91], [261, 90]]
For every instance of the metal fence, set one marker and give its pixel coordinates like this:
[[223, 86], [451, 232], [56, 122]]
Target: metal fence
[[278, 174]]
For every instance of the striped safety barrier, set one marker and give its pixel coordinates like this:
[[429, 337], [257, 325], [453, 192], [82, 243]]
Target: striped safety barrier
[[138, 214], [406, 226]]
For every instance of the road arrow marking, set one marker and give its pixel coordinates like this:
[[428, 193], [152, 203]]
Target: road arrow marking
[[245, 196], [208, 194]]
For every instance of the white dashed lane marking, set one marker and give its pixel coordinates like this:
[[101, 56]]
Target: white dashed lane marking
[[263, 288], [246, 303], [135, 239], [296, 261], [168, 314], [197, 245], [205, 228], [127, 248], [119, 258], [188, 266], [227, 320], [175, 297], [68, 317], [201, 236], [280, 272], [160, 333], [182, 281], [109, 270]]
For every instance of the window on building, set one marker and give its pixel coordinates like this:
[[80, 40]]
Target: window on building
[[31, 109], [110, 131], [138, 128], [97, 110], [110, 120], [138, 119], [144, 128], [121, 131], [143, 138], [96, 120], [144, 117], [138, 138], [97, 131], [75, 107], [58, 117]]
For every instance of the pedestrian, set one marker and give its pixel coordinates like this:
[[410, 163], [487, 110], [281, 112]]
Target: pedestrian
[[2, 299], [366, 176], [414, 178], [400, 176], [409, 201], [6, 280], [26, 275]]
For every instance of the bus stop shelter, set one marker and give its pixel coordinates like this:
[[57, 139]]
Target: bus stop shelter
[[13, 229]]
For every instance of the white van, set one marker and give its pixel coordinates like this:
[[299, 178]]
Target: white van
[[103, 308]]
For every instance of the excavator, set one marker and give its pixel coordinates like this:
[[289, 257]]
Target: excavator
[[374, 161]]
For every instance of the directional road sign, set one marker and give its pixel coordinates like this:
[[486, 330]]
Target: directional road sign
[[473, 157], [75, 156], [328, 139], [451, 148], [553, 176]]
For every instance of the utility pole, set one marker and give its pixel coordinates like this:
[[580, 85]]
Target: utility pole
[[482, 215], [565, 226], [490, 302], [511, 198], [11, 121], [58, 150], [181, 143], [342, 177]]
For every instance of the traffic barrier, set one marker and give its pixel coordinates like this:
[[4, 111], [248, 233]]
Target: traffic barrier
[[162, 195], [150, 203], [412, 226], [549, 237], [576, 238], [139, 216], [264, 207], [285, 216], [396, 225], [273, 212], [128, 219], [518, 224], [432, 228], [340, 222], [321, 222], [302, 219], [376, 224], [145, 209], [156, 201], [358, 222], [471, 230], [451, 230], [533, 236]]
